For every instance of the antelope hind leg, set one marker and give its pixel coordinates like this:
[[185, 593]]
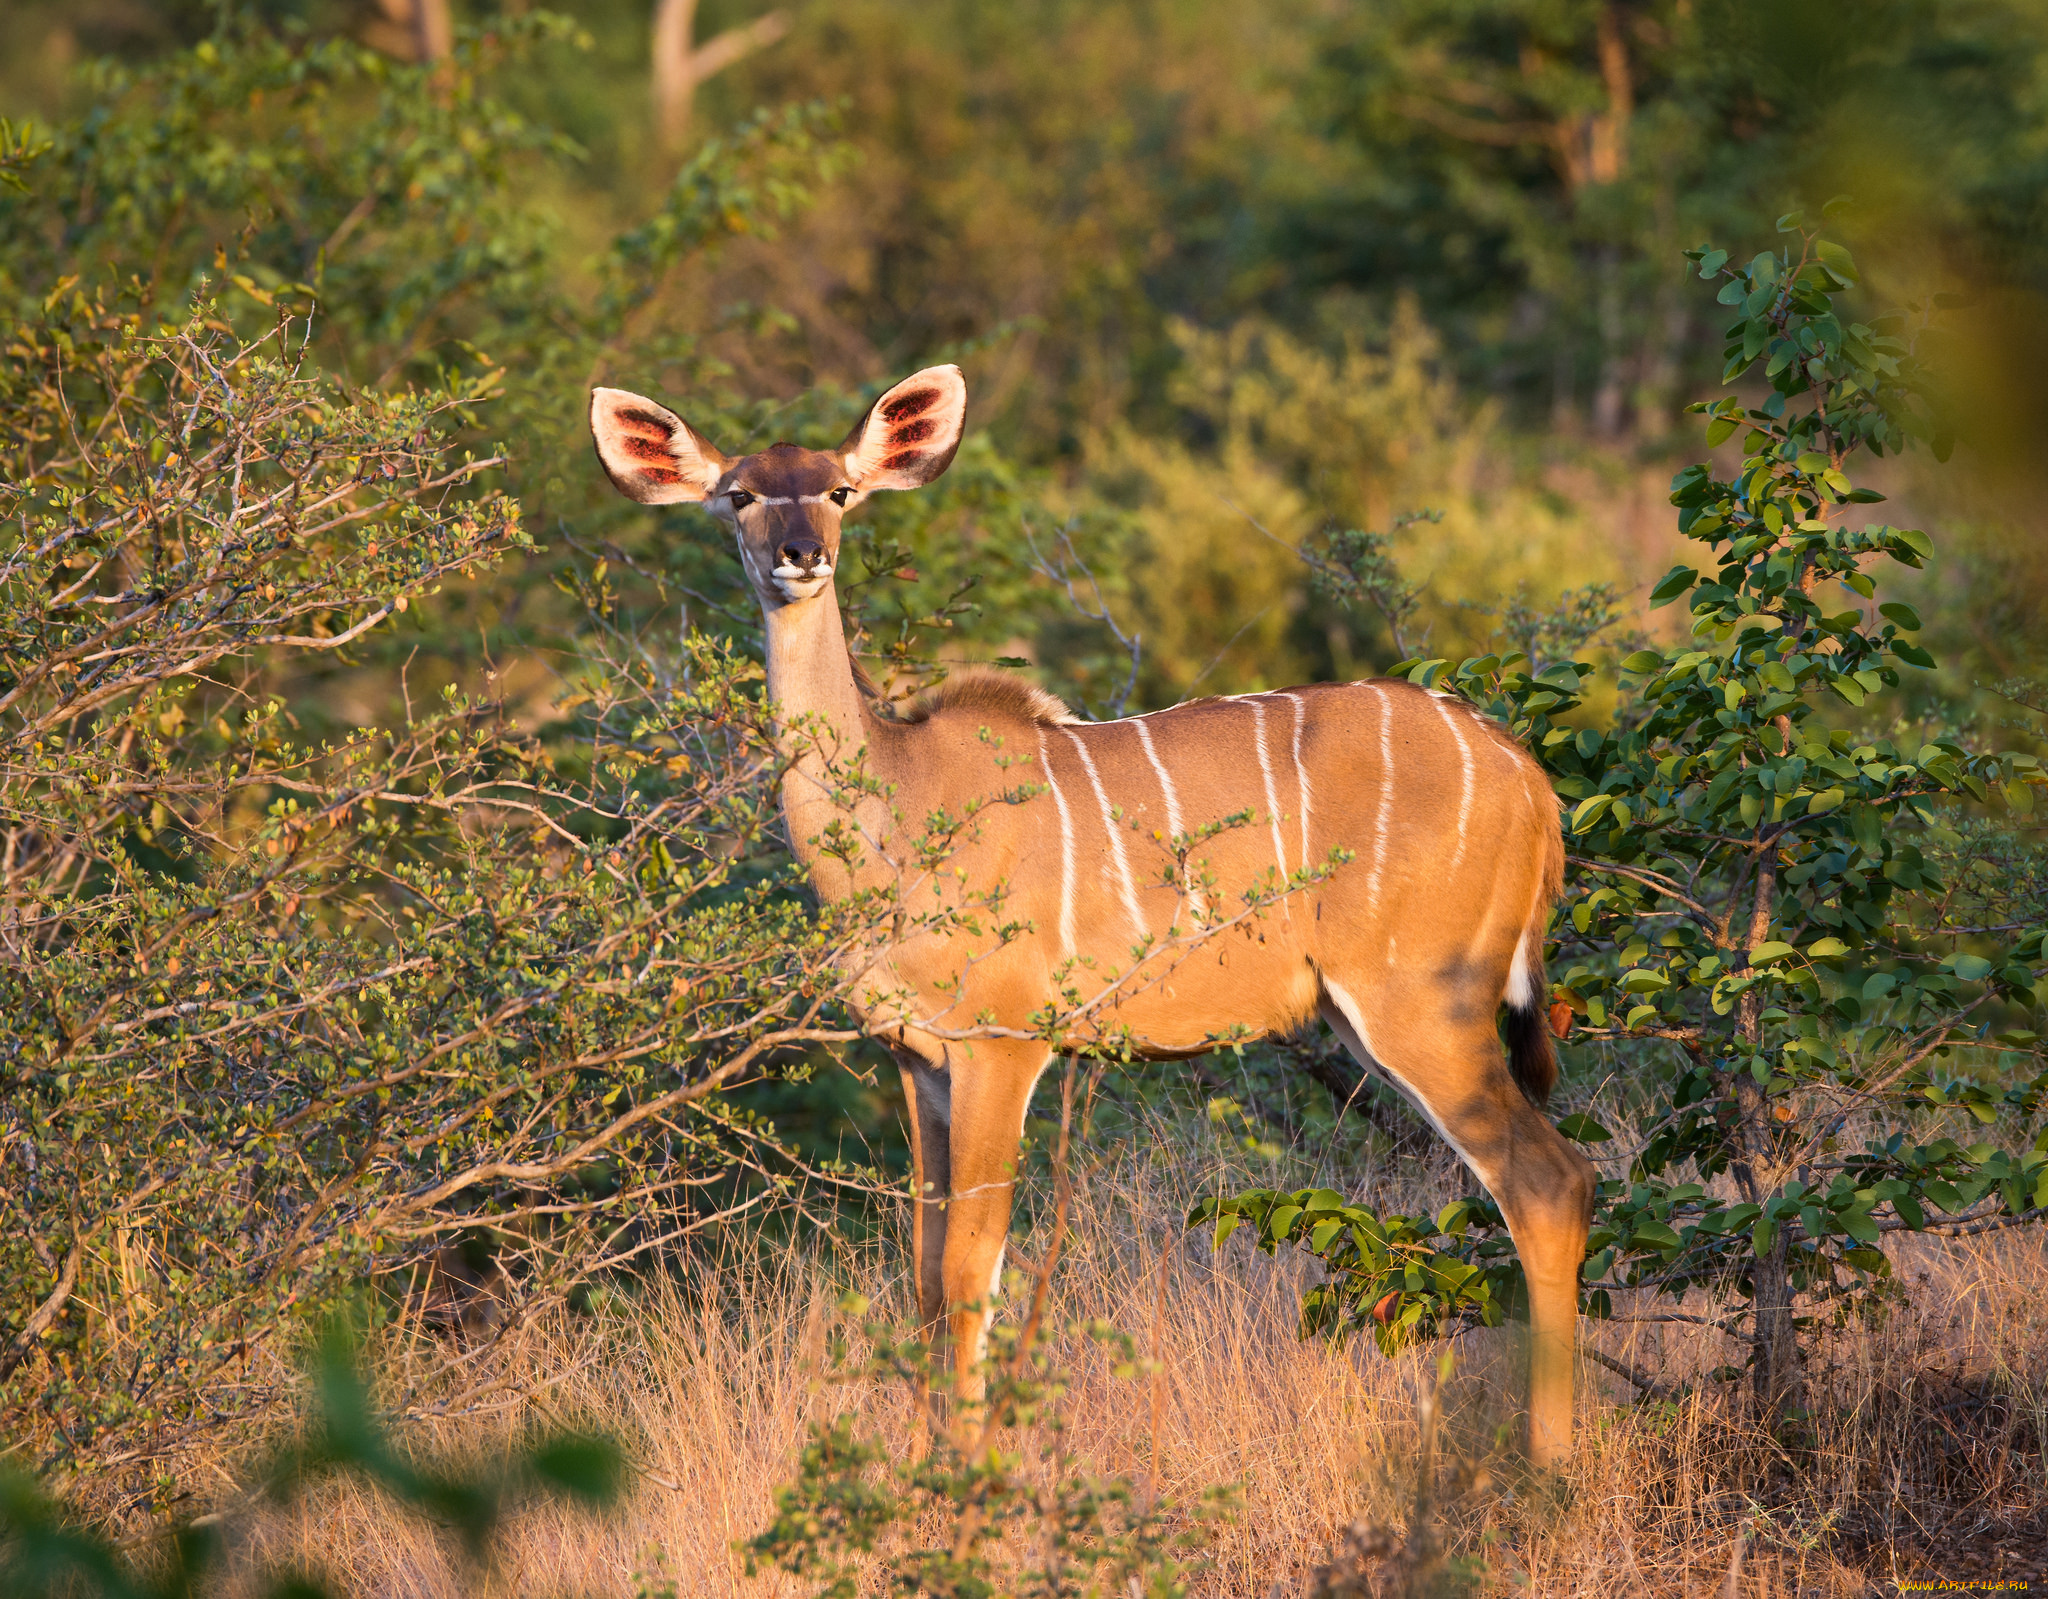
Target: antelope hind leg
[[927, 1094], [1455, 1073]]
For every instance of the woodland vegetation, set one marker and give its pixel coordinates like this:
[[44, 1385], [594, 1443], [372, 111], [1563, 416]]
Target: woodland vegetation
[[397, 930]]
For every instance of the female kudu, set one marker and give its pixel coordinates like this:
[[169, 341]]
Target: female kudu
[[1448, 831]]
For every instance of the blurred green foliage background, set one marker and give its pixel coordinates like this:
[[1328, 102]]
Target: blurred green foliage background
[[1308, 262]]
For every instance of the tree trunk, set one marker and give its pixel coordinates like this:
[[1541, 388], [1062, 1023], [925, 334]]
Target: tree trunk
[[680, 65], [412, 30], [1610, 397], [1664, 330], [1564, 415], [675, 86], [1776, 1371]]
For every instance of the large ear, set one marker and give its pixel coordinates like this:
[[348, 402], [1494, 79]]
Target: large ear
[[651, 454], [909, 435]]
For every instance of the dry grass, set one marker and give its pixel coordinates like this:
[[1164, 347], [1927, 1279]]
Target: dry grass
[[1926, 1458]]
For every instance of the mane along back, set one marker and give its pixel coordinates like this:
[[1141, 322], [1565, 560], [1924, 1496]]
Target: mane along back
[[982, 690]]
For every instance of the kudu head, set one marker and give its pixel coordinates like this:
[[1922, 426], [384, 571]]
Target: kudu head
[[784, 504]]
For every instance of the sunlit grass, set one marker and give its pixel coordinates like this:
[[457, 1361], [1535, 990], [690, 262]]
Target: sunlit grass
[[1924, 1450]]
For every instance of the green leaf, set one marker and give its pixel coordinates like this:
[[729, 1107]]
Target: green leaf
[[1970, 968], [1901, 613], [1712, 262], [1720, 430], [1822, 949], [1582, 1129], [1674, 583], [582, 1467], [1643, 661], [1588, 810], [1763, 954], [1837, 260]]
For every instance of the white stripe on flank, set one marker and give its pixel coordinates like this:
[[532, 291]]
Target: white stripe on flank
[[1301, 774], [1175, 826], [1066, 855], [1384, 811], [1464, 786], [1266, 773], [1116, 837], [1173, 821]]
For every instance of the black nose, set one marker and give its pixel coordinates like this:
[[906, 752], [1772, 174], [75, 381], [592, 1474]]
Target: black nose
[[802, 553]]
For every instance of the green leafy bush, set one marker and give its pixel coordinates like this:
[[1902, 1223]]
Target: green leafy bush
[[341, 924]]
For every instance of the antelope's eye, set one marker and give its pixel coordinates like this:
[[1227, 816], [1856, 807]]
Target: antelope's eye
[[740, 499], [838, 495]]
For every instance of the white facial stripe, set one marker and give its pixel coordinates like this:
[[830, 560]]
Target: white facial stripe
[[791, 499], [1464, 784], [1066, 855], [1116, 836], [823, 569], [747, 559], [1272, 799], [1301, 772]]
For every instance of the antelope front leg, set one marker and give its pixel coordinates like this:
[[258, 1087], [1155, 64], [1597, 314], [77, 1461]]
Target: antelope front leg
[[991, 1092]]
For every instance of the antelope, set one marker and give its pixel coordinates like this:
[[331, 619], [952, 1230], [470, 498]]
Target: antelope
[[1444, 832]]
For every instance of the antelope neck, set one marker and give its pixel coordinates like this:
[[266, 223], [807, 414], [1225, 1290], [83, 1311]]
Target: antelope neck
[[822, 719]]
